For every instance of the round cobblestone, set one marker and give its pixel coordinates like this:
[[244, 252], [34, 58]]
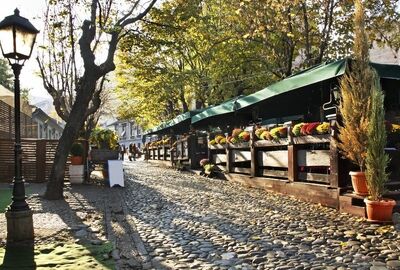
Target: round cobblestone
[[218, 224]]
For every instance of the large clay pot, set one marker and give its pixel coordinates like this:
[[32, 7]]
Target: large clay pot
[[359, 183], [76, 160], [380, 211]]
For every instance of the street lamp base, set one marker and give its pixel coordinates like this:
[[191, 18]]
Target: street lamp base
[[19, 226]]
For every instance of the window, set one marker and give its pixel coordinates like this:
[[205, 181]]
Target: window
[[40, 131], [132, 130], [123, 132]]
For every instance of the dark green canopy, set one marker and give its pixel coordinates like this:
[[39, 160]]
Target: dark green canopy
[[303, 78], [179, 124], [210, 113], [279, 98]]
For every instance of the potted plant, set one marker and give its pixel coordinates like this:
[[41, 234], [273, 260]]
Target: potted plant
[[77, 154], [76, 169], [104, 147], [378, 208], [207, 167], [104, 138], [354, 106]]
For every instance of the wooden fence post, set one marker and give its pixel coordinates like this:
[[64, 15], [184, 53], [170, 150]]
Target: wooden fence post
[[292, 155], [10, 121], [229, 159], [254, 156], [337, 177], [40, 161]]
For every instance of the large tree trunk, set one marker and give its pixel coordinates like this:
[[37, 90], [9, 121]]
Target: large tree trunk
[[75, 122], [86, 88]]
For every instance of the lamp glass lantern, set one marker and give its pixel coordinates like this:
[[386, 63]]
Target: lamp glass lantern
[[17, 37]]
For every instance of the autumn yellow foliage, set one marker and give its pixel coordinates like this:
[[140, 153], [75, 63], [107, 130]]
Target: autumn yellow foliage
[[356, 89]]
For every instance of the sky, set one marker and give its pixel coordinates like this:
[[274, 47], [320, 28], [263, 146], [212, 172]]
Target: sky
[[30, 9]]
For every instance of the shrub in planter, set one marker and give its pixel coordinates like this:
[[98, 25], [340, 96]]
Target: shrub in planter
[[77, 154], [222, 141], [244, 136], [278, 132], [283, 132], [376, 162], [357, 87], [323, 128], [259, 131], [266, 135], [296, 130], [236, 132], [218, 138], [208, 167], [104, 138], [203, 162], [311, 128]]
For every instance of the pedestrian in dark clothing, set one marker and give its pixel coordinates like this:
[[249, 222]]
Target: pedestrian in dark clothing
[[130, 151], [134, 151], [122, 151]]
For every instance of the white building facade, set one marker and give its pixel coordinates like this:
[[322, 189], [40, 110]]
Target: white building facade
[[47, 127], [128, 132]]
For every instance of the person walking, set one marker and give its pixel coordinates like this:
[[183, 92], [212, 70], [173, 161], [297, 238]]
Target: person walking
[[122, 151], [130, 149], [134, 152]]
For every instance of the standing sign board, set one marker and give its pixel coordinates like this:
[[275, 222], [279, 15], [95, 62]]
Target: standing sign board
[[116, 173]]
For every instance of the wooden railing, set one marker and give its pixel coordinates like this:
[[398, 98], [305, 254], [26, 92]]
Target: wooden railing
[[313, 159], [188, 150], [28, 126], [37, 159]]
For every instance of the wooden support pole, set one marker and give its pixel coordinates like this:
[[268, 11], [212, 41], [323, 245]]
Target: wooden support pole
[[254, 171], [292, 163], [229, 159], [40, 161], [192, 151], [337, 177], [293, 173]]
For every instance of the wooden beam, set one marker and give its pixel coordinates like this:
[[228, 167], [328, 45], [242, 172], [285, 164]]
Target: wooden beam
[[315, 177], [309, 158], [305, 191], [292, 163], [278, 158]]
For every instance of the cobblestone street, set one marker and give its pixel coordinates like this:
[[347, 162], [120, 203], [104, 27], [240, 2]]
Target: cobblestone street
[[187, 221]]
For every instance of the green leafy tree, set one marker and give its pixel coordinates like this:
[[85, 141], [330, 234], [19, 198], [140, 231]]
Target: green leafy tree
[[186, 53], [6, 76], [303, 33]]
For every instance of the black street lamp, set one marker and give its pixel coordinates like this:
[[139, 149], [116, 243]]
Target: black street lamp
[[17, 37]]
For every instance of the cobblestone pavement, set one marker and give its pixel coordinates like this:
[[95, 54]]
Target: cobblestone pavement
[[191, 222], [90, 215]]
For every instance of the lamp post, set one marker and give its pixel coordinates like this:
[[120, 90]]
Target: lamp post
[[17, 37]]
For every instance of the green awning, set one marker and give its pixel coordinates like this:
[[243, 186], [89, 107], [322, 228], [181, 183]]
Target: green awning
[[226, 107], [239, 108], [180, 124], [313, 75], [386, 71], [303, 78]]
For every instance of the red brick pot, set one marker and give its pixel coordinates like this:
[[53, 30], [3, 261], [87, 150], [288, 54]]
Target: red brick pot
[[380, 211], [76, 160], [359, 183]]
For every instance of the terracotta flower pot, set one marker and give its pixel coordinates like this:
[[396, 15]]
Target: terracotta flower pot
[[380, 211], [359, 183], [76, 160]]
